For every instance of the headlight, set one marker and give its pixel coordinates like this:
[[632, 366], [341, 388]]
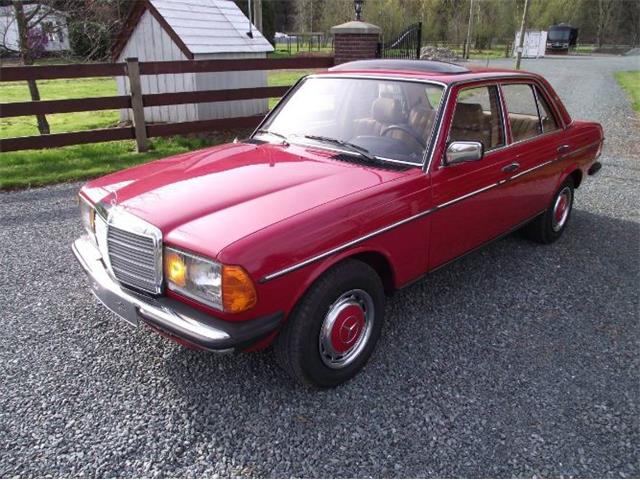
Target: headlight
[[87, 215], [227, 288]]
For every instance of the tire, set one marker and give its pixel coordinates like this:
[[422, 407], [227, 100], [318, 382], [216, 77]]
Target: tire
[[335, 327], [549, 226]]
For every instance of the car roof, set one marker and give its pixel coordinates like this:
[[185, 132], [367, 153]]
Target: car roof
[[442, 72]]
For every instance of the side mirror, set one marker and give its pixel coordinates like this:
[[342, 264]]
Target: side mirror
[[459, 152]]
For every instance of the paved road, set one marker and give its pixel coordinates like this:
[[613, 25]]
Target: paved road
[[519, 360]]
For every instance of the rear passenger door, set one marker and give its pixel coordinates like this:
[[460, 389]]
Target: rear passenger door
[[535, 141], [470, 208]]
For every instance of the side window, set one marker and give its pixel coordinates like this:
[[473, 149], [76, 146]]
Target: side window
[[477, 117], [549, 123], [523, 111]]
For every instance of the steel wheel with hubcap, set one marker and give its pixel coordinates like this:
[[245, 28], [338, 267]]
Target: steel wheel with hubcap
[[548, 227], [561, 209], [335, 326], [346, 328]]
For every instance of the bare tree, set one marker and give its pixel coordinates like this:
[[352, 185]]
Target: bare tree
[[25, 22], [605, 14]]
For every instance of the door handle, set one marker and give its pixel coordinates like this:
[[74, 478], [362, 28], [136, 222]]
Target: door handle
[[562, 149], [512, 167]]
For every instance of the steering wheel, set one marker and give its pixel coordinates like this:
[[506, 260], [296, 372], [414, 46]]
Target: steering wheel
[[406, 130]]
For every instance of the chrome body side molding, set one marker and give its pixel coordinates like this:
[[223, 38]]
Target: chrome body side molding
[[379, 231]]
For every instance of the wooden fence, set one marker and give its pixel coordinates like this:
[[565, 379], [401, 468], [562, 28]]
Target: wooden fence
[[140, 130]]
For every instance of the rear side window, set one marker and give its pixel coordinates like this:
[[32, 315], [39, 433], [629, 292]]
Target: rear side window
[[549, 123], [477, 117], [523, 111]]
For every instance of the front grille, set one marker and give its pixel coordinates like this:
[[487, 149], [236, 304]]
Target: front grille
[[133, 259]]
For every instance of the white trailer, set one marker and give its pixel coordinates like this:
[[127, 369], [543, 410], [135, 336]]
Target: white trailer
[[535, 43]]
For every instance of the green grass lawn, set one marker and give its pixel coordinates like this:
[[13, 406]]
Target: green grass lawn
[[630, 82], [57, 90], [41, 167]]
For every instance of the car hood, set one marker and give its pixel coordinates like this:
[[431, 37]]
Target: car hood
[[208, 199]]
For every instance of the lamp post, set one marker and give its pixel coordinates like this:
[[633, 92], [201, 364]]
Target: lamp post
[[357, 4]]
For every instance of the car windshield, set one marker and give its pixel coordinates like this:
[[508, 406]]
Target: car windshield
[[370, 118]]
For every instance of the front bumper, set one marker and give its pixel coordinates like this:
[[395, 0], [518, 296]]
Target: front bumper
[[169, 316]]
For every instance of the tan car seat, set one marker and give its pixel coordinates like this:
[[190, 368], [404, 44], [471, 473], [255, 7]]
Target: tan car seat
[[470, 125], [384, 112]]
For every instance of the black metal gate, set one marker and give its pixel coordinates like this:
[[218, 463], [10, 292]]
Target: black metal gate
[[405, 45]]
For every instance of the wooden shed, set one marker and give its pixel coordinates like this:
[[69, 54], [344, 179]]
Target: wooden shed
[[163, 30]]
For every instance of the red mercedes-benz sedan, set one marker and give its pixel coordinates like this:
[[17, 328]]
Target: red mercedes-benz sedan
[[363, 179]]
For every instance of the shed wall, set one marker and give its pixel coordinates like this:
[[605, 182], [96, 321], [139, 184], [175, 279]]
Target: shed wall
[[230, 80], [150, 42]]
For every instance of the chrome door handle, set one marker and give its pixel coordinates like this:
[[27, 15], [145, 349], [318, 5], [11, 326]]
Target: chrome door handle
[[564, 149], [512, 167]]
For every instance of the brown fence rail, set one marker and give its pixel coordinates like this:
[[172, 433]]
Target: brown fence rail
[[137, 101]]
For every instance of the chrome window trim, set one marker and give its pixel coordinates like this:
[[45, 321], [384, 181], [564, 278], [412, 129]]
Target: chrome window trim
[[438, 108], [379, 231], [504, 79], [505, 121], [502, 120], [535, 99], [436, 131], [553, 114]]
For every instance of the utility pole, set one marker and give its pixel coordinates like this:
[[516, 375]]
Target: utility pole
[[467, 43], [257, 14], [522, 29]]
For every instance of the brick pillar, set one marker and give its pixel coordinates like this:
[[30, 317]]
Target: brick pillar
[[355, 41]]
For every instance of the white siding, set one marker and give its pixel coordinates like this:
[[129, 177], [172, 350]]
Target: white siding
[[150, 42], [211, 29], [9, 29], [229, 80]]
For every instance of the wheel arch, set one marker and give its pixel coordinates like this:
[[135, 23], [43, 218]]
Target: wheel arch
[[576, 175], [377, 259]]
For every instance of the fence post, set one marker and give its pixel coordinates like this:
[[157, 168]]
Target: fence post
[[133, 72], [355, 41]]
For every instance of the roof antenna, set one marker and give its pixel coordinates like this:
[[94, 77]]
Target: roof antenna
[[250, 32]]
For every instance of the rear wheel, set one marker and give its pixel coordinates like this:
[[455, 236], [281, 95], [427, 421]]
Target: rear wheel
[[548, 227], [335, 327]]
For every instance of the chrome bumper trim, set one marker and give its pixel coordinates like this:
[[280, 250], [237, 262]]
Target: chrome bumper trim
[[131, 307]]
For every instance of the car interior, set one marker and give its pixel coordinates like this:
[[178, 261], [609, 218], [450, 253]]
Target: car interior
[[395, 119], [399, 120]]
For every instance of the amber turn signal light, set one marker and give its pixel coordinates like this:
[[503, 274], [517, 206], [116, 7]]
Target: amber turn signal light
[[175, 269], [238, 291]]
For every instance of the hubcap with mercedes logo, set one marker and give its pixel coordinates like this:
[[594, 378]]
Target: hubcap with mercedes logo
[[346, 328]]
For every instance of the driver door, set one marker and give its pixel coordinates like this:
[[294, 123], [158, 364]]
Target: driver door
[[470, 209]]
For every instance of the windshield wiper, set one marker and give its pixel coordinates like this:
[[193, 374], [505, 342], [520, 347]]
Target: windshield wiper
[[348, 145], [285, 140]]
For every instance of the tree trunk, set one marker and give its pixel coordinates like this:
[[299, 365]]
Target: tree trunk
[[600, 15], [27, 59], [257, 14]]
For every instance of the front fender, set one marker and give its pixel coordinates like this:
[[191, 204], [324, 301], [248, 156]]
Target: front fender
[[316, 270]]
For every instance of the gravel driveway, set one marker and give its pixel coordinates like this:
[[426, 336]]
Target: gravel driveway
[[518, 360]]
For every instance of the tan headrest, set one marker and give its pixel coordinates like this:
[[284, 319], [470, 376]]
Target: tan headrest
[[421, 119], [468, 115], [387, 110]]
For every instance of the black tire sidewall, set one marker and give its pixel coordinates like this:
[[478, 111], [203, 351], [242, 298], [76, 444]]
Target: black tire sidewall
[[550, 233], [310, 317]]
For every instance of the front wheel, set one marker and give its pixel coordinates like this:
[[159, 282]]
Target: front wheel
[[334, 329], [548, 227]]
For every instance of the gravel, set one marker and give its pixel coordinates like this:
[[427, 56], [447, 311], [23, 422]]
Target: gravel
[[519, 360]]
